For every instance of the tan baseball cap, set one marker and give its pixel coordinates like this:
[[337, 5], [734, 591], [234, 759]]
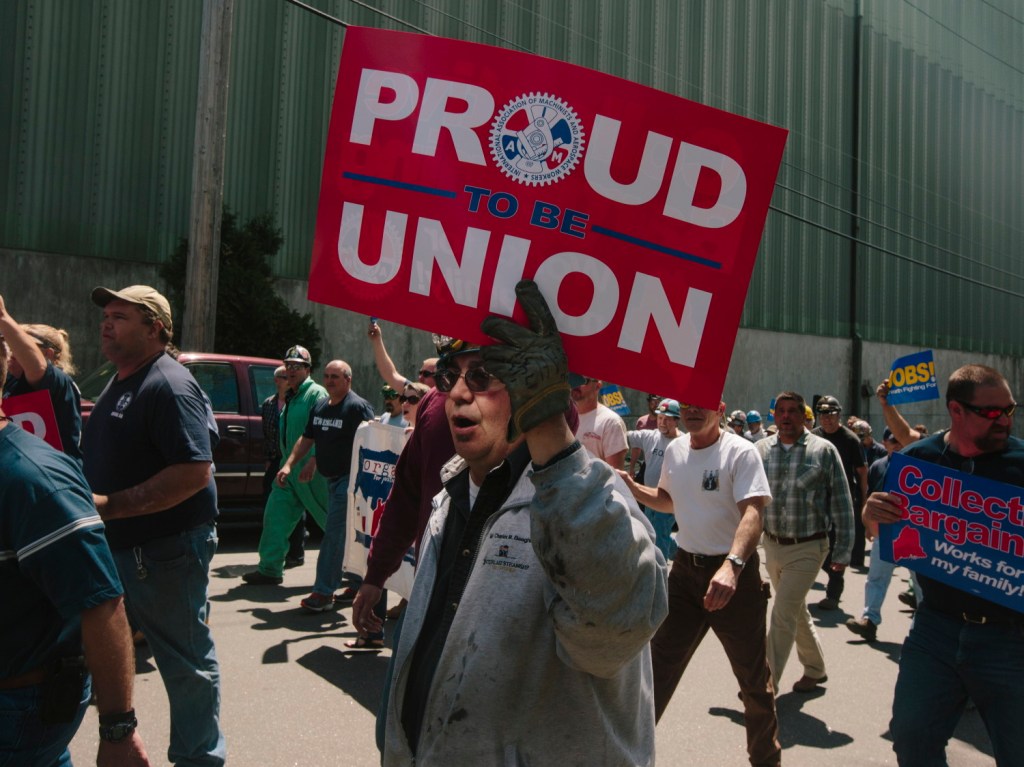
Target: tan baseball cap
[[143, 295]]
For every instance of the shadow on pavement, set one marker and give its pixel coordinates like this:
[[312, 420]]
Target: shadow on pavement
[[359, 674], [284, 595], [797, 728], [294, 618], [890, 649]]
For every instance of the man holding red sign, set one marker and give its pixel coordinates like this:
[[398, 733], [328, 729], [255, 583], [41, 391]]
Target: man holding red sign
[[453, 170], [538, 588], [961, 646]]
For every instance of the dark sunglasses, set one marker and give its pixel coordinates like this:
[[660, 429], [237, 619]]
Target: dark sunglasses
[[477, 379], [990, 413], [411, 400], [427, 374]]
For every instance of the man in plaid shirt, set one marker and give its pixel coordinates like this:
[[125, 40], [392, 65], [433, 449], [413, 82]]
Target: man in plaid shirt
[[810, 493]]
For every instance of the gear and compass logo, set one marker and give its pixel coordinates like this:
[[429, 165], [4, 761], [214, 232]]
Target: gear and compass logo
[[536, 139]]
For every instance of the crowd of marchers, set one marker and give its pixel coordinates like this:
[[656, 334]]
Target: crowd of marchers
[[612, 550]]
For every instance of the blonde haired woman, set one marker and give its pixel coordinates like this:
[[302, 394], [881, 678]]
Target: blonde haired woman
[[40, 360]]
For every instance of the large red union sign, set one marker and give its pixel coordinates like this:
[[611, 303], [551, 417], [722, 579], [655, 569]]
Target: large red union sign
[[453, 170]]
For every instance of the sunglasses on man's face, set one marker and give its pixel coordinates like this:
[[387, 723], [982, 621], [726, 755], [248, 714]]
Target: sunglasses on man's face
[[990, 413], [477, 379], [427, 373], [411, 400]]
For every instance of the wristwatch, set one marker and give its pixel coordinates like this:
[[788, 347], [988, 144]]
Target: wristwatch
[[115, 728], [736, 560]]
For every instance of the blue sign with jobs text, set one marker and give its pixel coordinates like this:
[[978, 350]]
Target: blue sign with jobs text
[[912, 379]]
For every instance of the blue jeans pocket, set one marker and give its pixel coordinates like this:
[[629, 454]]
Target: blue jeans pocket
[[165, 554]]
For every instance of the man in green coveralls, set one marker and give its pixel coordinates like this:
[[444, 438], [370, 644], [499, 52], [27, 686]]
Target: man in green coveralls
[[286, 503]]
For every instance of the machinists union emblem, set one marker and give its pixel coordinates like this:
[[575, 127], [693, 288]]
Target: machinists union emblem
[[536, 139]]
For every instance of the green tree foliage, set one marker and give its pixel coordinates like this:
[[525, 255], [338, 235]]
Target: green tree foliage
[[252, 319]]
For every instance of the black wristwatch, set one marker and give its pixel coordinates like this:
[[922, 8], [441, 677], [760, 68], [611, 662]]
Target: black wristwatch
[[115, 728]]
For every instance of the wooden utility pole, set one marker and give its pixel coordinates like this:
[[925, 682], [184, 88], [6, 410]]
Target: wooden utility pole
[[207, 177]]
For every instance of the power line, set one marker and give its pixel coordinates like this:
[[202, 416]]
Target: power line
[[318, 12], [894, 254], [912, 238], [969, 42]]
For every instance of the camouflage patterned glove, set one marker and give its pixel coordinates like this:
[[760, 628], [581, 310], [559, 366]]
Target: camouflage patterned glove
[[531, 363]]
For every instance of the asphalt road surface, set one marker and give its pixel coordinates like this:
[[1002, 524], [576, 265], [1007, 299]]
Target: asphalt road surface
[[293, 694]]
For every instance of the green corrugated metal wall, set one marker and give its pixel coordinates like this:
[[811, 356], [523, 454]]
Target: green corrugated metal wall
[[97, 105]]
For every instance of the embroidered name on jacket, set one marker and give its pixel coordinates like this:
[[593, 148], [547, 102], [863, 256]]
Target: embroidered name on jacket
[[508, 551]]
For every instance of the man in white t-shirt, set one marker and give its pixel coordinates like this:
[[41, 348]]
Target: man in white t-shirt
[[652, 443], [601, 431], [714, 482]]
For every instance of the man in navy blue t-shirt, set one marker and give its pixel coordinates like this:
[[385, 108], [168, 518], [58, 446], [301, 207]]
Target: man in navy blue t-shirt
[[331, 427], [148, 448]]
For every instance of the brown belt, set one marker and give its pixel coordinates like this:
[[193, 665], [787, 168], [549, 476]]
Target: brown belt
[[792, 541], [29, 678], [700, 560]]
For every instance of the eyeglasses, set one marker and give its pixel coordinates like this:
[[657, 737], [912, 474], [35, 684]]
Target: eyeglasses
[[294, 366], [411, 400], [990, 413], [281, 377], [427, 374], [477, 379]]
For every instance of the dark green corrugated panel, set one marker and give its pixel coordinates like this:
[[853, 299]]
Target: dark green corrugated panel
[[283, 68], [97, 109], [98, 129], [941, 182]]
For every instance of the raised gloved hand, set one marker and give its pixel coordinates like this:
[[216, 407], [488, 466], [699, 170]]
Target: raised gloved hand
[[531, 362]]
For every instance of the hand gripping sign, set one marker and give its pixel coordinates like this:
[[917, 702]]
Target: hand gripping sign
[[453, 170]]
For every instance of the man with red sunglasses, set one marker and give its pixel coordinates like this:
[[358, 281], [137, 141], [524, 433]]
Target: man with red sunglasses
[[961, 646]]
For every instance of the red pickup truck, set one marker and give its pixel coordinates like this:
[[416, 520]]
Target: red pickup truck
[[236, 387]]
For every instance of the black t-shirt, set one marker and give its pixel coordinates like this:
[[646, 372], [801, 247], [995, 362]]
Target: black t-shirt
[[332, 428], [1005, 466], [848, 445], [67, 404], [154, 418]]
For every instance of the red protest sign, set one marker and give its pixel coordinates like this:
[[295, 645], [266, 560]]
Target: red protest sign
[[34, 413], [453, 170]]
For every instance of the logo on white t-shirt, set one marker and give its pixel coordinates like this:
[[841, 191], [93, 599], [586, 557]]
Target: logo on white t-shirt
[[709, 483]]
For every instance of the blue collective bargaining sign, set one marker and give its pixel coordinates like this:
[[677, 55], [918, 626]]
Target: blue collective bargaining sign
[[965, 531], [912, 379]]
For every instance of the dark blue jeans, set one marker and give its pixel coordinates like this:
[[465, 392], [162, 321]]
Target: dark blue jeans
[[24, 740], [165, 582], [944, 662]]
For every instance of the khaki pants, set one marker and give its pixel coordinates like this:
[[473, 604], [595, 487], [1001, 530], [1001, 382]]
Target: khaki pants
[[793, 570]]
